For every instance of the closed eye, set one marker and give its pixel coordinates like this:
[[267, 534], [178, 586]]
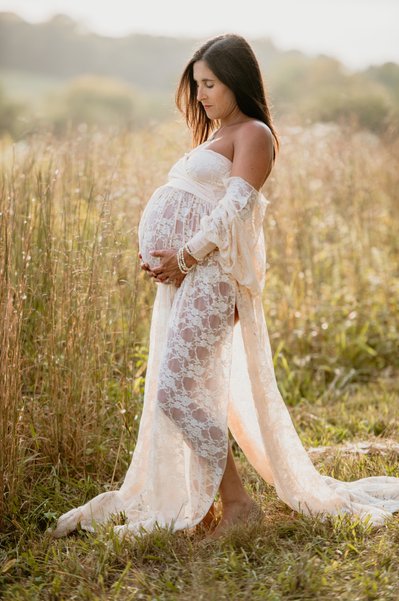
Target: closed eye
[[208, 84]]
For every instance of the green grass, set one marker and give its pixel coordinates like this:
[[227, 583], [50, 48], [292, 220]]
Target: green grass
[[74, 322], [287, 557]]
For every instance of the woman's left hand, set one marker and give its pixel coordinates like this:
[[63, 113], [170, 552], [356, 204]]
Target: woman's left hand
[[168, 271]]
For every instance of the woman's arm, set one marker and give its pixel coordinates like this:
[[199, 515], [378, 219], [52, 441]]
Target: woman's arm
[[253, 153], [252, 163]]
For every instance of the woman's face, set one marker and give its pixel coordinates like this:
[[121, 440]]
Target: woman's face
[[217, 99]]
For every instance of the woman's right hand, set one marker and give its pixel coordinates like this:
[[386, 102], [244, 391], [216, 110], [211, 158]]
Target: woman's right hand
[[145, 267]]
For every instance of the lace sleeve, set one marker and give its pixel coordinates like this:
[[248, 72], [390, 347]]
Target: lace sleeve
[[234, 227]]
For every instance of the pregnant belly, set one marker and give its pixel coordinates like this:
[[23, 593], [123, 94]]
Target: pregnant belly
[[170, 218]]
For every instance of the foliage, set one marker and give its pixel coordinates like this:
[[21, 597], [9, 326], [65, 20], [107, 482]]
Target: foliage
[[305, 89], [10, 112], [94, 101], [322, 90]]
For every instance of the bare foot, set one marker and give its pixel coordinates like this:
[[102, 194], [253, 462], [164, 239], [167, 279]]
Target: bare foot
[[209, 521], [236, 513]]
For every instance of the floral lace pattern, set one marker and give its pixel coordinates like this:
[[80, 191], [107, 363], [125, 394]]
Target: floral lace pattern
[[196, 364]]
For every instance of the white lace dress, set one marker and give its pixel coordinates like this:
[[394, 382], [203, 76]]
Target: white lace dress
[[204, 374]]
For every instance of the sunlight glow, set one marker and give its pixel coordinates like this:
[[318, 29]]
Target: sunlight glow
[[357, 32]]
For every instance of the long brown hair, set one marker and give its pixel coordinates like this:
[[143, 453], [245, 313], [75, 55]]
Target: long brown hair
[[234, 63]]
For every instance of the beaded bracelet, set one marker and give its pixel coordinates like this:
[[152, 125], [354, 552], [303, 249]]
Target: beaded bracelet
[[181, 262]]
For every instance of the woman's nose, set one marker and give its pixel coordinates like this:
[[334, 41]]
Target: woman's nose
[[200, 94]]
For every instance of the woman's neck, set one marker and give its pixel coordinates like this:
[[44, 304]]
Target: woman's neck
[[234, 121], [234, 118], [226, 124]]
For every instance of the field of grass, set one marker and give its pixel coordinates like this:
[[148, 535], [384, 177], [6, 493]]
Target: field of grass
[[75, 312]]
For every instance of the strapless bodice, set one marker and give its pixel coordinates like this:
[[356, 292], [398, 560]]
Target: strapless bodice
[[195, 185], [201, 172]]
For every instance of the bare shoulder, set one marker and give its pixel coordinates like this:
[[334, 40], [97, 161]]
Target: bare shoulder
[[255, 131], [253, 151]]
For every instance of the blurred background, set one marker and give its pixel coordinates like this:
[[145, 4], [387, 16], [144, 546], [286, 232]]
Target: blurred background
[[65, 62], [88, 130]]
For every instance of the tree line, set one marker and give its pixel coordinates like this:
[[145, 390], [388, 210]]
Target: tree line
[[128, 80]]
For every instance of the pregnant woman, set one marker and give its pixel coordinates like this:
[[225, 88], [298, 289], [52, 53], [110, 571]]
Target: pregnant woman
[[210, 365]]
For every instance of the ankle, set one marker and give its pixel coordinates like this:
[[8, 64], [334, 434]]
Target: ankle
[[243, 499]]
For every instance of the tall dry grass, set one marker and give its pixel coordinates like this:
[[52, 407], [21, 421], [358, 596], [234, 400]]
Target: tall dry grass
[[75, 308], [72, 328], [333, 289]]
